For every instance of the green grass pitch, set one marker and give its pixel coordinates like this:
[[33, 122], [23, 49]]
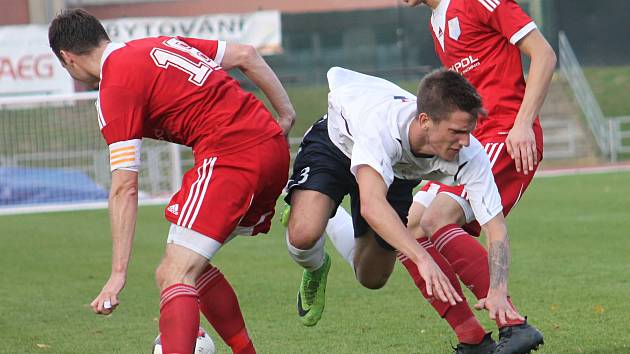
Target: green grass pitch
[[569, 273]]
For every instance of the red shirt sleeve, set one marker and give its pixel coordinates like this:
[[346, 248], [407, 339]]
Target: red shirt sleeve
[[504, 16], [122, 113]]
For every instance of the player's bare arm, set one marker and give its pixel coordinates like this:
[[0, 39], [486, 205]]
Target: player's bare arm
[[247, 59], [123, 206], [498, 259], [385, 222], [520, 142]]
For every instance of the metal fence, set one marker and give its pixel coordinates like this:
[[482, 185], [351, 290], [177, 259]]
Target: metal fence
[[619, 132], [560, 139], [611, 134], [572, 71]]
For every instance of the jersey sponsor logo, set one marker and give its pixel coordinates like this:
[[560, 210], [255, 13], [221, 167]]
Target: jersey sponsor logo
[[466, 64], [453, 28], [173, 209], [490, 5]]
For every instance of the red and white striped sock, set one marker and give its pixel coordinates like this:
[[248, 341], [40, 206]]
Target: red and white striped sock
[[468, 258], [179, 318], [466, 255]]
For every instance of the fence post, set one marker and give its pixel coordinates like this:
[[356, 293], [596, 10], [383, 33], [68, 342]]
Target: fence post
[[612, 139]]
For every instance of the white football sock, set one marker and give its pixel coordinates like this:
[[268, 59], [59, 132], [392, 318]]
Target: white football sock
[[341, 233], [311, 259]]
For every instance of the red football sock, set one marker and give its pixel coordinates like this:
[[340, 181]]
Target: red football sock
[[468, 258], [459, 317], [219, 304], [179, 319], [466, 255], [465, 324]]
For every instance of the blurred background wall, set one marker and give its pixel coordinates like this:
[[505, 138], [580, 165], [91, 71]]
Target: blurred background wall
[[378, 36]]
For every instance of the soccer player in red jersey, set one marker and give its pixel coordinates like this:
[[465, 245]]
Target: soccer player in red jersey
[[178, 90], [483, 40]]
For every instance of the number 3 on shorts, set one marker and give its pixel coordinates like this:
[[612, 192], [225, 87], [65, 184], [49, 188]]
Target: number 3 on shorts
[[304, 175]]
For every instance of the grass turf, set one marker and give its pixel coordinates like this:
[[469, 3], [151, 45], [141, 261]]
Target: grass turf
[[569, 274]]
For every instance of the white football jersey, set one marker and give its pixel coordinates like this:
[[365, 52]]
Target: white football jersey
[[369, 119]]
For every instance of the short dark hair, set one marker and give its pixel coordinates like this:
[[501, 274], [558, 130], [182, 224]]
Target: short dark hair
[[75, 31], [443, 92]]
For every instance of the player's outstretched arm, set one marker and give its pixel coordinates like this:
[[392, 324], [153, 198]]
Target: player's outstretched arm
[[520, 142], [247, 59], [498, 258], [123, 207], [385, 222]]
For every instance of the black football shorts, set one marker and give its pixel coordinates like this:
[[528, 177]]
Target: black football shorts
[[320, 166]]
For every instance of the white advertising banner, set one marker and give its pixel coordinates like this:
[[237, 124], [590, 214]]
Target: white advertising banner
[[27, 65], [260, 29]]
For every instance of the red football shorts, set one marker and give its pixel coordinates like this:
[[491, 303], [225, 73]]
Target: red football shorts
[[235, 192], [511, 184]]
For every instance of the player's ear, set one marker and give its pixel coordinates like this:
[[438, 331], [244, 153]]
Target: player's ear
[[67, 58], [424, 120]]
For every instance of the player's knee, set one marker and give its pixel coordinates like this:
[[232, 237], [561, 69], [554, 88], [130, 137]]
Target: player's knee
[[166, 275], [160, 276], [303, 235], [415, 228], [430, 223], [372, 280]]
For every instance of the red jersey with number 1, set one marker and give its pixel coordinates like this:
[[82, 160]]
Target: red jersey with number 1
[[174, 89], [477, 38]]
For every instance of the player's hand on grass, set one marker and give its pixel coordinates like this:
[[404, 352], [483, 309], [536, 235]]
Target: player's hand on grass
[[437, 283], [521, 145], [107, 300], [498, 308]]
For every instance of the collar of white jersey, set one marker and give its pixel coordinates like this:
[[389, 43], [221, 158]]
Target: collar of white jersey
[[440, 10], [404, 136], [111, 47]]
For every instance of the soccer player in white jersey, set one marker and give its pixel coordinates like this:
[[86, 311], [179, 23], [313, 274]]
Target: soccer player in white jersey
[[483, 40], [375, 144]]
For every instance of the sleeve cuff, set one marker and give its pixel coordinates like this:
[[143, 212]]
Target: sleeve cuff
[[482, 220], [522, 32], [220, 52], [387, 179]]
